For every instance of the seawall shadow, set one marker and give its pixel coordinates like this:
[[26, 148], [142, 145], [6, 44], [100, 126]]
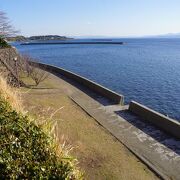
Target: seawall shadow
[[101, 99], [160, 136]]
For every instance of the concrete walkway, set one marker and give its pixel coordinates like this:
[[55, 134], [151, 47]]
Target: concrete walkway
[[158, 150]]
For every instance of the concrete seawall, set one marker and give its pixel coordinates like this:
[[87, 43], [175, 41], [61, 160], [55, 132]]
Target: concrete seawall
[[148, 115], [159, 120], [115, 97]]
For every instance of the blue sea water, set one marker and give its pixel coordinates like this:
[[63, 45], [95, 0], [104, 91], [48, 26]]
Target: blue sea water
[[144, 70]]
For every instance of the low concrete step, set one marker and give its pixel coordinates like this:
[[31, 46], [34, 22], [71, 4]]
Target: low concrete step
[[158, 150]]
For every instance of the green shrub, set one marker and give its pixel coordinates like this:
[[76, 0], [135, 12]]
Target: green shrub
[[3, 43], [26, 151]]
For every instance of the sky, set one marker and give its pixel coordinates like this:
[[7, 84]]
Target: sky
[[113, 18]]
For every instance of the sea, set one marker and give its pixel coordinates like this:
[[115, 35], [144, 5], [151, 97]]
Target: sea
[[144, 70]]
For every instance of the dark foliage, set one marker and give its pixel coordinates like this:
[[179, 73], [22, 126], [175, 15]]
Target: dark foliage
[[3, 43], [25, 151]]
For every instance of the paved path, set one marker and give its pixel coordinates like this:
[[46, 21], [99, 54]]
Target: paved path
[[158, 150]]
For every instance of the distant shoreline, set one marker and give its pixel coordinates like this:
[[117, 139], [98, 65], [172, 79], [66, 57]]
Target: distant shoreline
[[38, 38]]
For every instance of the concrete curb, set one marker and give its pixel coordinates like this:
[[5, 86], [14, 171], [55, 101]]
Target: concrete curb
[[159, 120]]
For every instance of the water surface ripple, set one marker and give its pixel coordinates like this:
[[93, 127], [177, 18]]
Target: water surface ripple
[[145, 70]]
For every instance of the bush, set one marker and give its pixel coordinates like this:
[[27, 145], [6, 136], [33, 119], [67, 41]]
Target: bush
[[3, 43], [26, 151]]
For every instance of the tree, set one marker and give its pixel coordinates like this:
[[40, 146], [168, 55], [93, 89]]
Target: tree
[[34, 72], [6, 29], [38, 75]]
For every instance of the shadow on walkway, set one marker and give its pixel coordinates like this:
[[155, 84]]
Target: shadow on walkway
[[160, 136], [104, 101]]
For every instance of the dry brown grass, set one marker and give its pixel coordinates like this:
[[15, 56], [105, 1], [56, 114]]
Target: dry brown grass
[[11, 95]]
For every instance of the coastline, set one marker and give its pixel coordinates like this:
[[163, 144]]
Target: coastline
[[144, 140], [141, 138], [133, 70], [103, 91]]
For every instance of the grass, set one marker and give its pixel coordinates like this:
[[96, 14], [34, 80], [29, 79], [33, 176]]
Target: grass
[[100, 155], [27, 150], [10, 95]]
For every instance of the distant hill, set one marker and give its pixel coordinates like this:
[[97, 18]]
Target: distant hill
[[16, 38], [37, 38], [48, 37]]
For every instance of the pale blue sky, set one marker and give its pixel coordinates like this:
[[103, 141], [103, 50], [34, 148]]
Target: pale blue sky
[[94, 17]]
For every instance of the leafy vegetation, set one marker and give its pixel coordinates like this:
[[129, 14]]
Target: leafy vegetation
[[27, 152], [3, 43]]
